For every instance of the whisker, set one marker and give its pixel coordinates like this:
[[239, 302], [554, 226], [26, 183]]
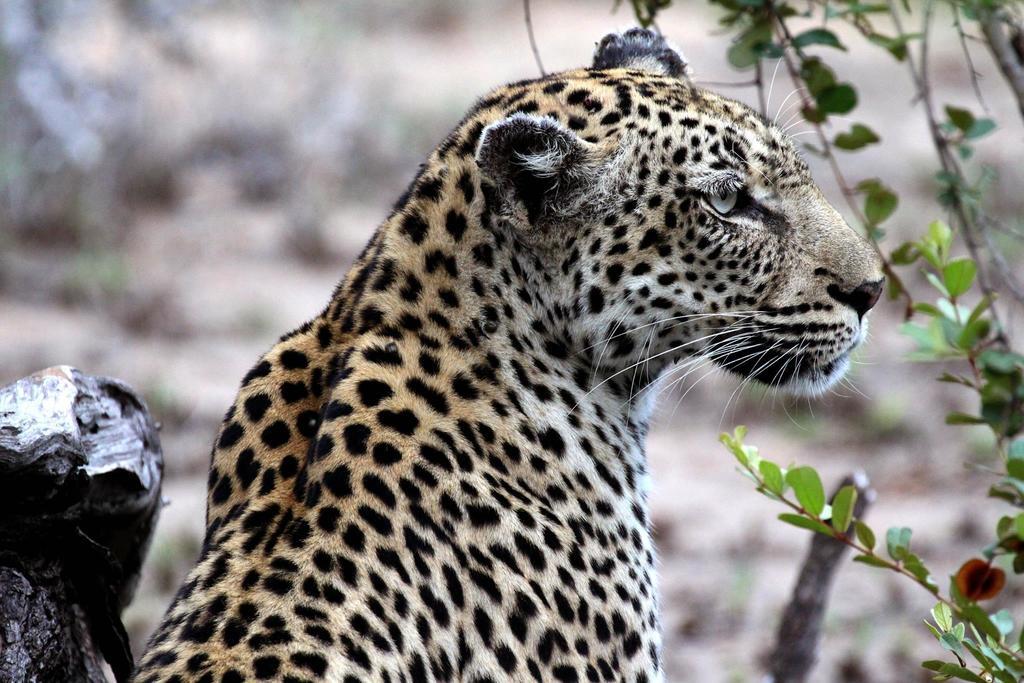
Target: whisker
[[731, 346], [689, 316], [744, 382], [847, 382], [600, 357], [643, 363], [717, 353], [794, 119], [794, 357], [735, 344], [658, 355], [782, 106], [771, 86]]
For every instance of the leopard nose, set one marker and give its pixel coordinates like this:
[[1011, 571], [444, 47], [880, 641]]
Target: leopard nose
[[862, 299]]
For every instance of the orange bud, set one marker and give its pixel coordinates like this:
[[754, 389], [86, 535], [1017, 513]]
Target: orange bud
[[979, 580]]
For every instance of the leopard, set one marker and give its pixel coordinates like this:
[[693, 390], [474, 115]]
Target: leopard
[[442, 476]]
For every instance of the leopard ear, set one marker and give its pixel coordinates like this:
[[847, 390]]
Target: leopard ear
[[643, 49], [536, 164]]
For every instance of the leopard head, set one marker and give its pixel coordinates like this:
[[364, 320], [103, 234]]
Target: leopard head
[[679, 224]]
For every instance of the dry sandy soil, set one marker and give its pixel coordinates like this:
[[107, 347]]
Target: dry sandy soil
[[279, 134]]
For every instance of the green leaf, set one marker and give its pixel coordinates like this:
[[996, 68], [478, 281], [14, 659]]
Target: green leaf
[[1019, 525], [842, 508], [871, 561], [858, 136], [897, 542], [927, 309], [1003, 621], [905, 254], [1016, 449], [897, 46], [973, 333], [943, 616], [1003, 362], [961, 118], [980, 308], [949, 311], [935, 245], [950, 642], [938, 284], [940, 233], [931, 341], [950, 378], [913, 564], [806, 523], [951, 670], [813, 115], [1005, 527], [807, 486], [963, 419], [734, 442], [857, 8], [816, 75], [979, 619], [980, 128], [1015, 460], [750, 46], [837, 99], [982, 654], [864, 534], [772, 474], [817, 36], [958, 275], [880, 204]]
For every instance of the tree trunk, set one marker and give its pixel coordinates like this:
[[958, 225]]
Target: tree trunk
[[799, 636], [80, 475]]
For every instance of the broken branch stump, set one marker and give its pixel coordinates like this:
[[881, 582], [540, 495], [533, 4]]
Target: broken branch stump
[[80, 475]]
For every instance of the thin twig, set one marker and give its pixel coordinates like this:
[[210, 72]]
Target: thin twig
[[1009, 278], [970, 62], [533, 39], [1004, 35], [950, 165], [759, 82]]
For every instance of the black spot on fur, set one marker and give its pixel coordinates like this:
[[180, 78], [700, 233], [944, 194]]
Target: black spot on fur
[[338, 481], [372, 392]]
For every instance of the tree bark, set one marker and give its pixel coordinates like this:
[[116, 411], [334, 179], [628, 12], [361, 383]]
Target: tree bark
[[80, 475], [1004, 33], [799, 635]]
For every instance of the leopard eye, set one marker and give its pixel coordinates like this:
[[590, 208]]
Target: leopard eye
[[723, 203]]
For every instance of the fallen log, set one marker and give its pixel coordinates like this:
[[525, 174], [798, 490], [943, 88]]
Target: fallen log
[[80, 475]]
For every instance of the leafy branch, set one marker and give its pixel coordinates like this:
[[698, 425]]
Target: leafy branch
[[801, 491]]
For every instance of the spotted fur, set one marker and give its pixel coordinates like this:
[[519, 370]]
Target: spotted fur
[[442, 476]]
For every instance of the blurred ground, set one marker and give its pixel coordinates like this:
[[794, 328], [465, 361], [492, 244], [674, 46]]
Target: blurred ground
[[261, 145]]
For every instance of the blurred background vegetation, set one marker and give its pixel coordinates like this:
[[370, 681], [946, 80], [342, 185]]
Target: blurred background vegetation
[[181, 181]]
